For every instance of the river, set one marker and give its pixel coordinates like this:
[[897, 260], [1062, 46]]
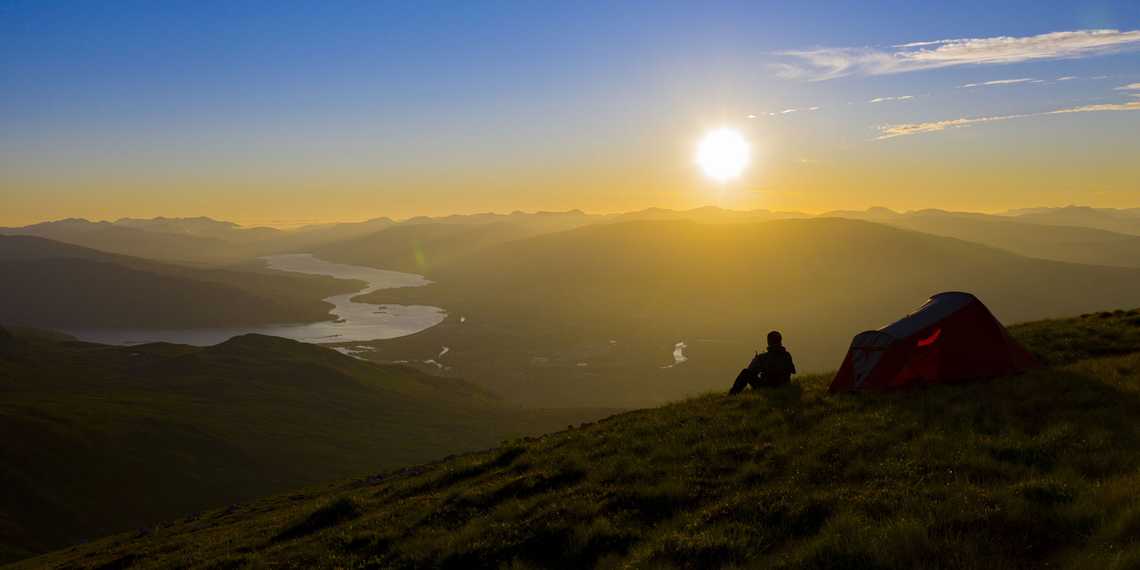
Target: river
[[352, 321]]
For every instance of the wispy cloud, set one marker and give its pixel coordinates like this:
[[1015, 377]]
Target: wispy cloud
[[1066, 78], [1129, 87], [787, 111], [829, 63], [885, 99], [905, 129], [1002, 82]]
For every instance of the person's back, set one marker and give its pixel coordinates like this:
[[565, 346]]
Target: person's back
[[772, 368], [778, 367]]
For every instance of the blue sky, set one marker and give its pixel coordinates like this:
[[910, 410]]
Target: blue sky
[[262, 111]]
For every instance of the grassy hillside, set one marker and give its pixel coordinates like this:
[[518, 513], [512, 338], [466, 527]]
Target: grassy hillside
[[591, 316], [1034, 471], [52, 284], [99, 439]]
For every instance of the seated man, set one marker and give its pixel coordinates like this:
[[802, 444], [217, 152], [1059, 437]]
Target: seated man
[[771, 368]]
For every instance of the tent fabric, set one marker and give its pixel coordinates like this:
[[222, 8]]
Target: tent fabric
[[951, 338]]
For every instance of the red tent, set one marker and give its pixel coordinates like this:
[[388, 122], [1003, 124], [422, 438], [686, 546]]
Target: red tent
[[951, 338]]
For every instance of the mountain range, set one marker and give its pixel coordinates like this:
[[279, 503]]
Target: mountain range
[[205, 240]]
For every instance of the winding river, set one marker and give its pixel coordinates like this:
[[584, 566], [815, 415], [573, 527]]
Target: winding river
[[353, 321]]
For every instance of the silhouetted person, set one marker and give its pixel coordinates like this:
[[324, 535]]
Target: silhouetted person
[[772, 368]]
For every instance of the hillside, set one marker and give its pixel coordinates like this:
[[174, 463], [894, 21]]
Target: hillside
[[153, 239], [424, 244], [101, 439], [1033, 471], [52, 284], [1123, 220], [420, 247], [1021, 235], [592, 316], [192, 240]]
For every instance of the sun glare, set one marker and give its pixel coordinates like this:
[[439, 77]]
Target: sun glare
[[723, 154]]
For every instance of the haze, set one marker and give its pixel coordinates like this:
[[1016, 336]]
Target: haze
[[297, 115]]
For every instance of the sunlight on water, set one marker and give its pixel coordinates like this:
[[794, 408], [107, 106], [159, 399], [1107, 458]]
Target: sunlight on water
[[351, 321], [678, 354]]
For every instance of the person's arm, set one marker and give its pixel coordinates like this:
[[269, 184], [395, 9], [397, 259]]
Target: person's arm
[[791, 363], [757, 363]]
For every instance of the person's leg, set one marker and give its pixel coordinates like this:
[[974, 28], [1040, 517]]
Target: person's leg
[[756, 381], [743, 379]]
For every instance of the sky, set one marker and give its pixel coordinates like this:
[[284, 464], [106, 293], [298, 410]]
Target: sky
[[283, 113]]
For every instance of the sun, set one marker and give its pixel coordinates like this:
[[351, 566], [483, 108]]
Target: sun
[[723, 154]]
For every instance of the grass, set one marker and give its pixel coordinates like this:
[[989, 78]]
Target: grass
[[325, 516], [1039, 470], [98, 439], [1062, 341]]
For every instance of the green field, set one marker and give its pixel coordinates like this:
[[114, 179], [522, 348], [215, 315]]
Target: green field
[[1039, 470]]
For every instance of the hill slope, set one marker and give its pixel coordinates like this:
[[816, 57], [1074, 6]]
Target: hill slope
[[99, 439], [422, 246], [1123, 220], [53, 284], [1019, 235], [591, 316], [161, 238], [1024, 472]]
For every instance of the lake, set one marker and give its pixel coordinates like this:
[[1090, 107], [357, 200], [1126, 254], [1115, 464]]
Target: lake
[[352, 321]]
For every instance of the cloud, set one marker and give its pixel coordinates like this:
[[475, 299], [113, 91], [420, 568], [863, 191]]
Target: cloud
[[884, 99], [1066, 78], [1129, 87], [904, 129], [790, 110], [830, 63], [1002, 82], [1129, 106]]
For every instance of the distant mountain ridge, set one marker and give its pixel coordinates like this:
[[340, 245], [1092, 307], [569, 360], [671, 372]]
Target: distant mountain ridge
[[1123, 220], [206, 240], [1029, 234]]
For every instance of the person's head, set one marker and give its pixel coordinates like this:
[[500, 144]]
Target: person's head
[[775, 338]]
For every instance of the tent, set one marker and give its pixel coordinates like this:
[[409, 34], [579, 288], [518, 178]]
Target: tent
[[952, 338]]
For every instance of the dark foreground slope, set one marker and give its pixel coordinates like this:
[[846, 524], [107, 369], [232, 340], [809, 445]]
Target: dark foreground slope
[[1034, 471], [100, 439]]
